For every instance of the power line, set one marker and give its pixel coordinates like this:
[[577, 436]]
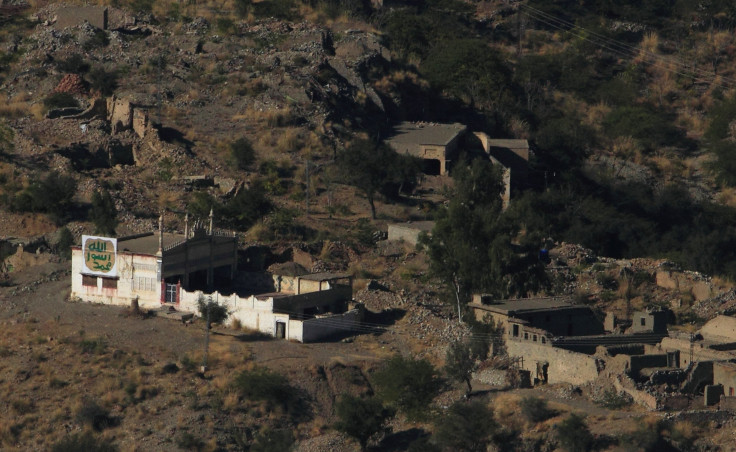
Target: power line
[[622, 49]]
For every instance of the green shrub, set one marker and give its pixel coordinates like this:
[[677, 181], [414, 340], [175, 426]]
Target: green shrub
[[613, 400], [60, 100]]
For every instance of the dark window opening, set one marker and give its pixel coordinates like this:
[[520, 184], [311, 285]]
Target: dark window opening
[[643, 321], [526, 336], [431, 167], [544, 341], [109, 283], [90, 281], [515, 330], [534, 338]]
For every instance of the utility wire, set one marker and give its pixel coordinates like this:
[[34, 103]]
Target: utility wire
[[622, 49]]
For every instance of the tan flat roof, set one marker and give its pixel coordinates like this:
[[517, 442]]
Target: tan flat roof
[[526, 305], [426, 133], [147, 244]]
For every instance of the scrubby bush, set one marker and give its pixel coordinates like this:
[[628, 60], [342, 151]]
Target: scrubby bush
[[51, 195], [273, 440], [573, 434], [535, 410], [466, 426], [93, 415], [98, 39], [74, 64], [60, 100], [262, 384], [242, 153], [64, 242], [102, 81]]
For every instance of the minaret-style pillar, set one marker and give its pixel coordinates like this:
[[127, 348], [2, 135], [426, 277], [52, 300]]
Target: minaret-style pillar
[[161, 233], [212, 220], [186, 226]]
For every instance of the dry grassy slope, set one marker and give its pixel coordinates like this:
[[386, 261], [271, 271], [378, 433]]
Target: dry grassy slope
[[269, 81]]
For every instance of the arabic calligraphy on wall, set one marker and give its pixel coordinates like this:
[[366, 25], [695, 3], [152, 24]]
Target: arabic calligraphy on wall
[[99, 255]]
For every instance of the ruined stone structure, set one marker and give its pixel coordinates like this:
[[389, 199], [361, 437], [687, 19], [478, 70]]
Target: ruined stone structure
[[72, 16], [409, 232], [436, 144], [556, 316]]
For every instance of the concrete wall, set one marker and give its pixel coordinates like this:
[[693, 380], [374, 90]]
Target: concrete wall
[[638, 362], [324, 327], [261, 314], [564, 366], [725, 374], [72, 16], [409, 232], [728, 403]]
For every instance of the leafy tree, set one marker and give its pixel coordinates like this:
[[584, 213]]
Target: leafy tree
[[460, 363], [466, 427], [651, 126], [376, 168], [573, 434], [242, 152], [407, 384], [103, 213], [471, 244], [247, 206], [211, 311], [64, 242], [470, 70], [361, 418]]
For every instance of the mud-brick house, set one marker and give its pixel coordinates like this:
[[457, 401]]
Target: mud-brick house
[[555, 315], [436, 144], [152, 268]]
